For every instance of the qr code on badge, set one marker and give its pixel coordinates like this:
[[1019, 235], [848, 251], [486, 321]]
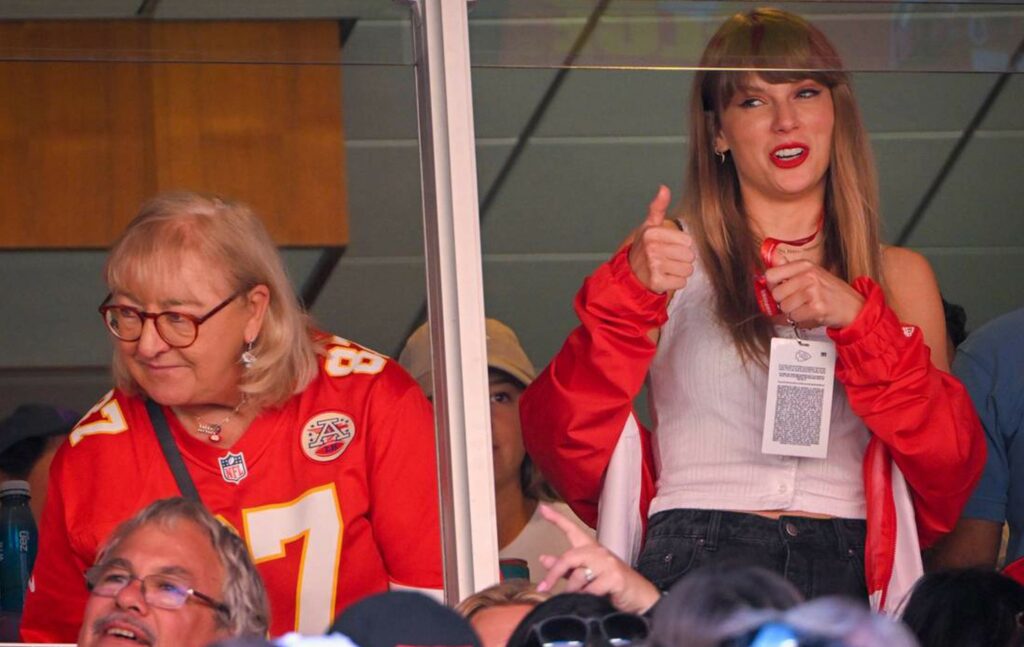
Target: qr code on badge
[[797, 415]]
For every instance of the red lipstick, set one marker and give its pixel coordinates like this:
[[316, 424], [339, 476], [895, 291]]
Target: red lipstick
[[790, 154]]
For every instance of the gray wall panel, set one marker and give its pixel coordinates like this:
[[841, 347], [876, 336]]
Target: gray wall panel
[[385, 211], [906, 167], [577, 198], [1006, 113], [379, 102], [980, 204], [50, 301], [534, 296], [984, 281], [372, 302], [919, 102]]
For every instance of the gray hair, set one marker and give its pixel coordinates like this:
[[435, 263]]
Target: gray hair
[[850, 621], [243, 592], [716, 601], [838, 619]]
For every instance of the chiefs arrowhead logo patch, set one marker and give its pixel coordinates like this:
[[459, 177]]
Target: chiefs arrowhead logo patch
[[326, 435]]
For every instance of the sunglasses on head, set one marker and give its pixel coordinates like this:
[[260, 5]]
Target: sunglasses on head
[[616, 629]]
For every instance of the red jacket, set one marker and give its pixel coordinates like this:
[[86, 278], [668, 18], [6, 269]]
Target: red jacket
[[920, 418]]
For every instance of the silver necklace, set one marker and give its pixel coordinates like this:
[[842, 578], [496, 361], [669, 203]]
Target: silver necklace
[[800, 250]]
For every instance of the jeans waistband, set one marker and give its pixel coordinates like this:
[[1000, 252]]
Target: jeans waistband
[[716, 526]]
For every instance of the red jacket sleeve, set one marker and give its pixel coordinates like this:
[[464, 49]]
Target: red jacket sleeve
[[923, 415], [56, 596], [573, 413]]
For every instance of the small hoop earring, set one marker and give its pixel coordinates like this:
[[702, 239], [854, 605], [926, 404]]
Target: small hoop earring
[[721, 156], [248, 357]]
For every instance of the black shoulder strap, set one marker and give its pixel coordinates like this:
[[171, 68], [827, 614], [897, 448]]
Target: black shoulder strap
[[171, 453]]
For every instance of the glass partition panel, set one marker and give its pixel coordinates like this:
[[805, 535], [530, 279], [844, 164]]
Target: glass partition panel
[[333, 166], [582, 111], [870, 36]]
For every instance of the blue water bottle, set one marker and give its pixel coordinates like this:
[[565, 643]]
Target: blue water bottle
[[18, 541]]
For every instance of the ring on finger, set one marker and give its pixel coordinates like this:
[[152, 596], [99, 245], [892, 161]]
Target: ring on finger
[[588, 575]]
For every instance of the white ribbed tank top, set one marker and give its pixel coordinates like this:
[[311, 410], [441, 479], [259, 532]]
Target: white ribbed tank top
[[708, 410]]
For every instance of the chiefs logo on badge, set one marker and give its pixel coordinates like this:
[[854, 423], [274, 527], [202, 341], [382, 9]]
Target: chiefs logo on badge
[[325, 436]]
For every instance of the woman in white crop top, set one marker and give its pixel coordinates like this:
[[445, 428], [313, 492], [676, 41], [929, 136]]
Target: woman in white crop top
[[779, 236]]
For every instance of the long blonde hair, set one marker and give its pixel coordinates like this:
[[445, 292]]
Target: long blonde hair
[[230, 240], [779, 47]]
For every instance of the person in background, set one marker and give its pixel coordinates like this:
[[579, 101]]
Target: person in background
[[519, 488], [778, 246], [825, 622], [966, 608], [172, 575], [29, 439], [579, 619], [403, 619], [991, 365], [496, 611], [956, 326], [319, 452], [696, 612]]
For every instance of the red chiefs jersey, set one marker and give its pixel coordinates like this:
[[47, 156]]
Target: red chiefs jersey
[[335, 494]]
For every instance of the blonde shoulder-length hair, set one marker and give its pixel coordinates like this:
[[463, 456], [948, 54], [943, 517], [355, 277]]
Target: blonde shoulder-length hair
[[778, 47], [231, 241]]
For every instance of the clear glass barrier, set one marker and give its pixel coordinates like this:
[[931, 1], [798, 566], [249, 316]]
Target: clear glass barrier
[[571, 150], [870, 36], [383, 36], [367, 65]]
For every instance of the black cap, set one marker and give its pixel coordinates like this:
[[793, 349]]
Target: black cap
[[404, 618], [33, 421]]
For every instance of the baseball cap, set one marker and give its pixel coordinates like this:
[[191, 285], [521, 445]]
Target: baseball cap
[[404, 618], [504, 352], [33, 421]]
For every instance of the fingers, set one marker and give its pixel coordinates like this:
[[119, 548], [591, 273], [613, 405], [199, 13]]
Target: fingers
[[564, 566], [573, 564], [659, 207], [811, 296], [779, 273], [661, 256], [576, 536]]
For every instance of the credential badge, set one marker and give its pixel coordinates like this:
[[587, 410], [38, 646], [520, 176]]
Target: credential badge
[[232, 467], [326, 435]]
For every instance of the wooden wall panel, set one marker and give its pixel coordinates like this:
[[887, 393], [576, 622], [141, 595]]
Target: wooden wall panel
[[82, 144]]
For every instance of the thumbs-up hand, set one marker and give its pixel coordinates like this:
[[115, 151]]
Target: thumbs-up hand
[[661, 255]]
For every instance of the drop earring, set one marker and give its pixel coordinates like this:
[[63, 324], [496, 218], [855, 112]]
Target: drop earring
[[248, 357]]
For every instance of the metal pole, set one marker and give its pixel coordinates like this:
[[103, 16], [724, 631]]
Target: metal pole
[[455, 302]]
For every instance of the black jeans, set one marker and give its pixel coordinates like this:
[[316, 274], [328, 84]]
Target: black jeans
[[819, 556]]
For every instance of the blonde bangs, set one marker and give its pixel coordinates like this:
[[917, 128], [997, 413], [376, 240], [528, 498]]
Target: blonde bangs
[[770, 44]]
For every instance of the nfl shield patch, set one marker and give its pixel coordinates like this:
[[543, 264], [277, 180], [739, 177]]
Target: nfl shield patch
[[232, 467]]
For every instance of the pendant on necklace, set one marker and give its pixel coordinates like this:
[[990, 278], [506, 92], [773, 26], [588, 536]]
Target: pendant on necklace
[[209, 429]]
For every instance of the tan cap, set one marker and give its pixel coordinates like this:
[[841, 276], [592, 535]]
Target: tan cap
[[504, 352]]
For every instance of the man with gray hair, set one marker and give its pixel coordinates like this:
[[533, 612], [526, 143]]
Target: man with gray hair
[[173, 575]]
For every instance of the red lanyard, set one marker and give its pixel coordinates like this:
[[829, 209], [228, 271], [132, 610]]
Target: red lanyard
[[768, 247]]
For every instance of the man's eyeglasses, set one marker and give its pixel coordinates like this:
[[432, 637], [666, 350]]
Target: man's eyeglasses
[[616, 629], [157, 590], [178, 329]]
